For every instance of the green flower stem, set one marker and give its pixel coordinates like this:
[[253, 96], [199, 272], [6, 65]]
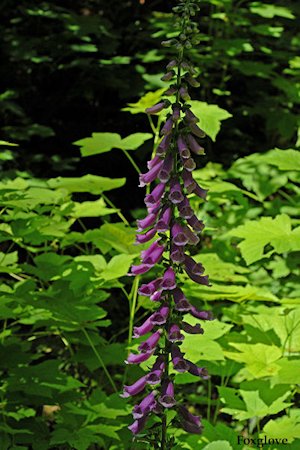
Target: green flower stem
[[99, 359], [118, 212], [209, 400], [132, 299], [132, 161], [132, 307]]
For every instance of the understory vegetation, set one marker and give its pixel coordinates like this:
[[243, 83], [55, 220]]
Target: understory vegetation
[[69, 200]]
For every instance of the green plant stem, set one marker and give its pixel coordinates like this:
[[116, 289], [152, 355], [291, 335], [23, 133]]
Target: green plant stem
[[164, 416], [99, 359], [132, 299], [153, 128], [118, 212], [132, 306], [132, 161], [208, 400], [287, 197]]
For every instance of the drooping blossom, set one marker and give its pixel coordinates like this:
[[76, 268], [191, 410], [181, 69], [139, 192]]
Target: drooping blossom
[[172, 228]]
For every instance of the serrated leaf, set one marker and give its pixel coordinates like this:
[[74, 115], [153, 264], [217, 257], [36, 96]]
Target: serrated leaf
[[204, 347], [260, 359], [148, 100], [284, 159], [114, 235], [135, 140], [258, 233], [285, 324], [218, 445], [88, 183], [288, 372], [269, 11], [98, 143], [254, 406], [97, 208], [117, 267], [287, 426], [104, 142], [210, 117]]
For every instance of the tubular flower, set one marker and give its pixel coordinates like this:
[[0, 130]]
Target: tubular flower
[[172, 227]]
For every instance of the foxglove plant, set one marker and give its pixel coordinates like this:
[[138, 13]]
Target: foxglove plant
[[173, 228]]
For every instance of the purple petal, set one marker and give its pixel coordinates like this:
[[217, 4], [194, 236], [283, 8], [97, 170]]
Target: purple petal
[[148, 289], [140, 269], [190, 116], [175, 195], [148, 177], [166, 169], [189, 182], [146, 222], [156, 108], [160, 317], [135, 388], [196, 130], [181, 302], [169, 279], [178, 235], [164, 220], [195, 223], [150, 344], [194, 146], [177, 253], [138, 425], [192, 266], [174, 333], [137, 359], [185, 210], [192, 329], [155, 195], [147, 405], [167, 395], [167, 128], [143, 238], [145, 328], [183, 148], [164, 145], [204, 315], [189, 164]]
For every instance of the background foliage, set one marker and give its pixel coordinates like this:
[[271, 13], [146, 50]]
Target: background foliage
[[85, 74]]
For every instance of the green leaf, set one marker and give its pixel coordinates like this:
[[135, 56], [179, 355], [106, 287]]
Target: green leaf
[[218, 445], [135, 140], [258, 233], [285, 325], [260, 359], [270, 11], [288, 372], [233, 293], [148, 100], [104, 142], [203, 347], [210, 117], [98, 261], [98, 143], [284, 159], [96, 208], [257, 175], [8, 144], [8, 262], [287, 426], [114, 235], [88, 183], [256, 407], [117, 267]]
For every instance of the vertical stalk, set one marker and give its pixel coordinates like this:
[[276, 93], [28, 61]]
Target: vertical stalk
[[167, 346]]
